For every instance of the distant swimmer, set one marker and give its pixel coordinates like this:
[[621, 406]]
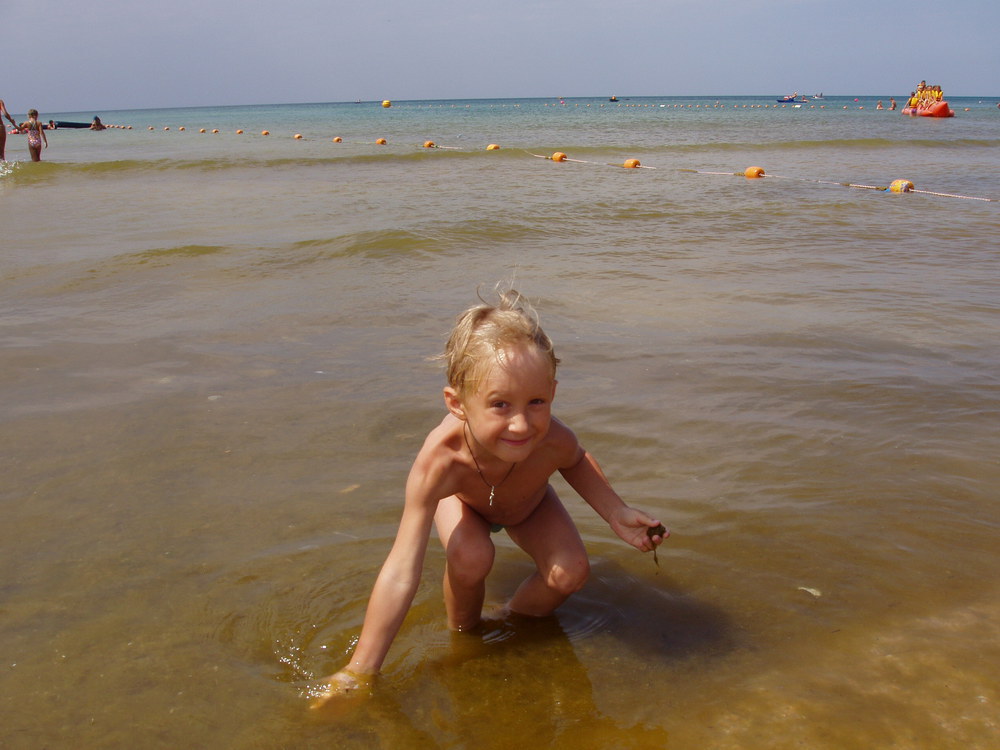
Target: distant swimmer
[[97, 124], [892, 103]]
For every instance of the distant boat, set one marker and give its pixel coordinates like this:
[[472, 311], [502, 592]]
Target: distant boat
[[933, 109], [929, 103], [792, 98], [818, 97], [613, 99]]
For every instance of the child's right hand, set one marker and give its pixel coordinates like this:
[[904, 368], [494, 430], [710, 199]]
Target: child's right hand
[[343, 691]]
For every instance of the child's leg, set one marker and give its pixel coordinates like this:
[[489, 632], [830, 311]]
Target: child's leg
[[469, 551], [550, 537]]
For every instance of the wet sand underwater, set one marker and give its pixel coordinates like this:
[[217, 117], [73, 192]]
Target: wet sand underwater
[[214, 376]]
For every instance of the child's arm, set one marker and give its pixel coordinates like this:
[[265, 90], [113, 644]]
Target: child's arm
[[394, 588], [632, 525], [6, 114]]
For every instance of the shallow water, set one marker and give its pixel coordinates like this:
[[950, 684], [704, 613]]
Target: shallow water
[[214, 375]]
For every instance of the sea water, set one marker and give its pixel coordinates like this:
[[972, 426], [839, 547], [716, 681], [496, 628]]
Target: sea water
[[215, 370]]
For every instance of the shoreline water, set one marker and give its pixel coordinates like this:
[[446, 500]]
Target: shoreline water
[[214, 376]]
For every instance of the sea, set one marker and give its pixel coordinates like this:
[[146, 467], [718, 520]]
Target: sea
[[217, 363]]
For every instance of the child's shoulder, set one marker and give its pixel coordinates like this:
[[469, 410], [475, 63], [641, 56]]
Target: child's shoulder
[[563, 443], [441, 447]]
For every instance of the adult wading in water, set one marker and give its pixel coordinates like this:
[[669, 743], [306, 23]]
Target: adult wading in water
[[3, 129]]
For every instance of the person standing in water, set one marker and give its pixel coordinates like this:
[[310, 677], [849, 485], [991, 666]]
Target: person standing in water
[[3, 129], [36, 135]]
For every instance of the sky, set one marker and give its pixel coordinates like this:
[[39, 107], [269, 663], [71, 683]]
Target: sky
[[71, 56]]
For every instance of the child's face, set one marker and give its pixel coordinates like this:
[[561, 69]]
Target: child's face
[[510, 412]]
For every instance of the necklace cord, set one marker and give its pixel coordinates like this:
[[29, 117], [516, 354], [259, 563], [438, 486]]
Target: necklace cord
[[493, 487]]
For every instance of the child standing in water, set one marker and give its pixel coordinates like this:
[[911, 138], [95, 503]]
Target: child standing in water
[[36, 135], [484, 468]]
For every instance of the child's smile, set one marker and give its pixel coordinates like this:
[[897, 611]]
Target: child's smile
[[511, 410]]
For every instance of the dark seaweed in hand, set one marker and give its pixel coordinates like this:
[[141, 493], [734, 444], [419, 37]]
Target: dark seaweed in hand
[[656, 531]]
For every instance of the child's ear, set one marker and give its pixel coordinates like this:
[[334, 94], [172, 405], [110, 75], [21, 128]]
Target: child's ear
[[453, 402]]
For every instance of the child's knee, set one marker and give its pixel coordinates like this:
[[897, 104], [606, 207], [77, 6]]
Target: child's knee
[[470, 561], [569, 577]]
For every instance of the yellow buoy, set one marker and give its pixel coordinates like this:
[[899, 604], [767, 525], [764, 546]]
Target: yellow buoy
[[337, 139], [558, 156], [752, 173], [430, 144], [380, 142], [901, 186], [386, 104], [493, 147], [631, 164]]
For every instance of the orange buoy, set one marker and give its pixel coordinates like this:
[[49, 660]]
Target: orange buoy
[[202, 130], [297, 136], [386, 103], [752, 173], [239, 132], [337, 139], [631, 164], [901, 186], [380, 142], [265, 132], [151, 127], [493, 147], [166, 128], [558, 156], [182, 128], [215, 130], [430, 144]]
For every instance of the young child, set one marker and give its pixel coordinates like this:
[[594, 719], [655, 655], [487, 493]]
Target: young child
[[486, 467], [36, 135]]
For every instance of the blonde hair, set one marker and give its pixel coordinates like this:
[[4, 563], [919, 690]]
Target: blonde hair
[[483, 332]]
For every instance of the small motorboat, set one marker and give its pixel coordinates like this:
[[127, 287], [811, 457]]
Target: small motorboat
[[68, 124], [792, 99]]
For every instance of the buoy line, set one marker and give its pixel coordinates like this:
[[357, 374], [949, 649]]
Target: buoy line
[[896, 186], [754, 172]]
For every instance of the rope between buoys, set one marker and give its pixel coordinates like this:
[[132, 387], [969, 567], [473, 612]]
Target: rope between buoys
[[952, 195]]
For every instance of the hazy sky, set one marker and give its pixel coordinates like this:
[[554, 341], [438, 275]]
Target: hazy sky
[[123, 54]]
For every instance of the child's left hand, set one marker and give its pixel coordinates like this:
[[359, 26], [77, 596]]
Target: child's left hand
[[343, 692], [633, 527]]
